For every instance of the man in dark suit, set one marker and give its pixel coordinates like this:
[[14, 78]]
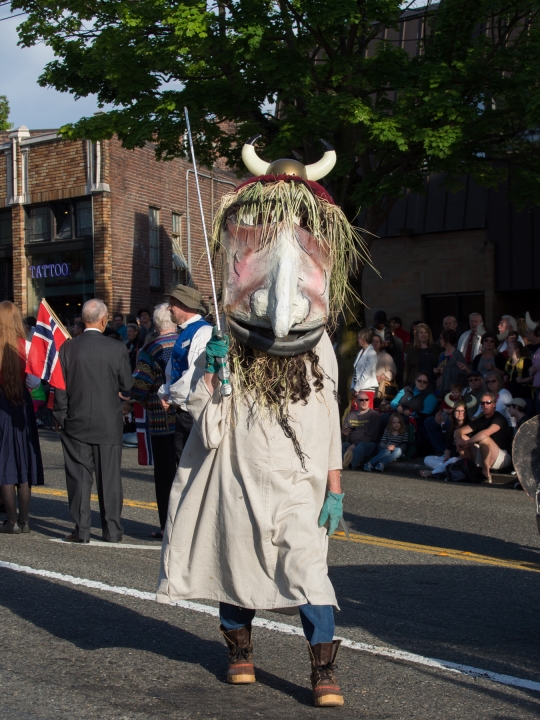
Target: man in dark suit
[[89, 412]]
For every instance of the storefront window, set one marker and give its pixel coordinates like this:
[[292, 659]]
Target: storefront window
[[38, 224], [64, 278], [62, 216], [83, 215], [5, 228], [59, 221]]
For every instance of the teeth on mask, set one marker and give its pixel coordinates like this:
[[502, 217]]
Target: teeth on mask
[[248, 219]]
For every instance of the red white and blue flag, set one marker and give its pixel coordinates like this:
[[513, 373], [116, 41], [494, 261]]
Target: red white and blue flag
[[144, 446], [48, 338]]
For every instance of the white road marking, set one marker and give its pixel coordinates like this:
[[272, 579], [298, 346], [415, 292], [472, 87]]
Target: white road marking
[[102, 544], [391, 653]]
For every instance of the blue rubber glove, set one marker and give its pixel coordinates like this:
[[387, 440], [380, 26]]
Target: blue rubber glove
[[216, 348], [332, 510]]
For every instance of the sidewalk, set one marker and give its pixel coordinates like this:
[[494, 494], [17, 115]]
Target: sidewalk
[[411, 468]]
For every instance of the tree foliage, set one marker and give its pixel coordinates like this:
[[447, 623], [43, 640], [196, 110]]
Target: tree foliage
[[4, 113], [462, 98]]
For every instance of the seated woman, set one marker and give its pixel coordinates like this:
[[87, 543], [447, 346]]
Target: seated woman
[[437, 465], [416, 403], [415, 400], [393, 444], [437, 425]]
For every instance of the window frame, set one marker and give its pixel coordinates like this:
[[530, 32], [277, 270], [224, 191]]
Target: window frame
[[7, 215], [76, 215], [154, 249], [52, 207], [29, 223]]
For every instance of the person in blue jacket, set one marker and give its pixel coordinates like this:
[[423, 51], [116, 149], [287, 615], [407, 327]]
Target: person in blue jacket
[[418, 402], [415, 400]]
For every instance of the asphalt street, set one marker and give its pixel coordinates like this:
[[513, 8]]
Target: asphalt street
[[444, 572]]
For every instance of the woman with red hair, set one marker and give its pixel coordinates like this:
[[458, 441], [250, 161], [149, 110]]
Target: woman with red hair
[[20, 455]]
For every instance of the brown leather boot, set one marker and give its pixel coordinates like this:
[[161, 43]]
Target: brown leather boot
[[241, 670], [326, 691]]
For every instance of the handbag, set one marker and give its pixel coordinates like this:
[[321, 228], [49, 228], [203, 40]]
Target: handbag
[[464, 470]]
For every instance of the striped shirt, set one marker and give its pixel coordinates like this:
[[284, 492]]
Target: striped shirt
[[399, 441]]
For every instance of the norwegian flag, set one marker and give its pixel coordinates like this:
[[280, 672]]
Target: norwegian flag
[[48, 338], [144, 445]]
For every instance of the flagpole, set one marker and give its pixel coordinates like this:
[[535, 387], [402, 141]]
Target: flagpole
[[56, 319]]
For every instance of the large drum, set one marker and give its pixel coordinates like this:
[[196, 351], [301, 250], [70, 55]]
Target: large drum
[[526, 458]]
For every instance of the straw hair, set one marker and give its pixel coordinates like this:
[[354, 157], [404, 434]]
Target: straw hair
[[281, 205], [11, 363], [268, 384]]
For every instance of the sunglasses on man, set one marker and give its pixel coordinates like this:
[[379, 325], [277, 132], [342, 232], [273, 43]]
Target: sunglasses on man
[[486, 402]]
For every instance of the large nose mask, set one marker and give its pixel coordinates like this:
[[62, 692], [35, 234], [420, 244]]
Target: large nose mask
[[280, 237], [282, 303], [278, 288]]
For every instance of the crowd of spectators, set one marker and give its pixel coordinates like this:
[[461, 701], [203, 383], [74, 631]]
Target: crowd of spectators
[[149, 341], [461, 398]]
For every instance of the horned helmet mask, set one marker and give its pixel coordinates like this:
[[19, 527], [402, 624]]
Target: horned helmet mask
[[287, 251]]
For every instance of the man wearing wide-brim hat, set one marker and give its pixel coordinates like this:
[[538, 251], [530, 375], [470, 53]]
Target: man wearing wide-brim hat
[[187, 308]]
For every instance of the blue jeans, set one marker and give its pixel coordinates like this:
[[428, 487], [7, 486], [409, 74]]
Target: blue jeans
[[362, 450], [435, 434], [317, 620], [386, 456]]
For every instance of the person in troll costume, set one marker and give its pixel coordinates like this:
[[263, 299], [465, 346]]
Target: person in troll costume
[[258, 488]]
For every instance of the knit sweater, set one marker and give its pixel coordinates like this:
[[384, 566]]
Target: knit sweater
[[149, 376]]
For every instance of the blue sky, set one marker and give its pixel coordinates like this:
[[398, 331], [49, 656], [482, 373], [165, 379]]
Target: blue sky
[[30, 104]]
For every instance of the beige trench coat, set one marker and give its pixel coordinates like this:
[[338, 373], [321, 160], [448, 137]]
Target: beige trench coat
[[242, 523]]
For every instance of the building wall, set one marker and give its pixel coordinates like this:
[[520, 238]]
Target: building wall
[[123, 185], [138, 182], [413, 266], [3, 174], [56, 170]]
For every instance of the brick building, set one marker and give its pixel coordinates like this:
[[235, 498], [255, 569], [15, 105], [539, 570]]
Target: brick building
[[82, 219]]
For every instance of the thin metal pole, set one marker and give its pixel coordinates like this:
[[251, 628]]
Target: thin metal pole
[[214, 294]]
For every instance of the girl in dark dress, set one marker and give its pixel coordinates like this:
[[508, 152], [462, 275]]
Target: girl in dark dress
[[20, 455]]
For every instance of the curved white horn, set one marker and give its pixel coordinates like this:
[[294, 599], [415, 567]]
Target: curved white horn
[[530, 323], [251, 160], [318, 170], [503, 336]]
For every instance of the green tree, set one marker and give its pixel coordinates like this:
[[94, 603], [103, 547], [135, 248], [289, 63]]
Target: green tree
[[463, 98], [4, 113]]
